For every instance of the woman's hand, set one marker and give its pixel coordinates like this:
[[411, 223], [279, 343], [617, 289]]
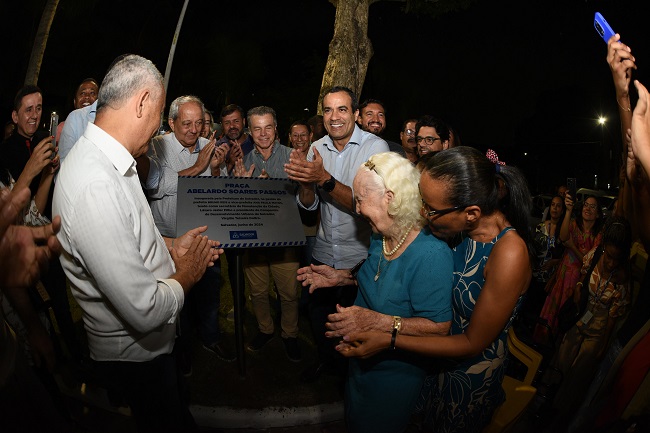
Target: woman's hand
[[364, 344], [354, 319], [621, 62], [317, 276], [568, 202]]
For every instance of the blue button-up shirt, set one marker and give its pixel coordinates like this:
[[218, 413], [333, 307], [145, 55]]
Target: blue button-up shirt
[[343, 236]]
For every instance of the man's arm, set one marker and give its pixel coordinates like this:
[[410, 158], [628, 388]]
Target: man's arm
[[102, 237], [24, 251]]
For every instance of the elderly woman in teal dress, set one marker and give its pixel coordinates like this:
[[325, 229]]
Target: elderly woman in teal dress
[[482, 207], [404, 287]]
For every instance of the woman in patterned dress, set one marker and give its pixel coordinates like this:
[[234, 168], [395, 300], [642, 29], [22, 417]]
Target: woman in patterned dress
[[484, 205], [579, 236]]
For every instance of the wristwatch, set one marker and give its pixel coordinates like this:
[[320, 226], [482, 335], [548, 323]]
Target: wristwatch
[[397, 323], [329, 184]]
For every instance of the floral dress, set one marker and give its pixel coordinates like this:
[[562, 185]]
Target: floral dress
[[464, 394], [561, 285]]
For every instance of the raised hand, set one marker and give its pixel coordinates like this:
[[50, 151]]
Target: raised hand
[[39, 159], [640, 142], [205, 157], [621, 62], [240, 169], [218, 158], [304, 171]]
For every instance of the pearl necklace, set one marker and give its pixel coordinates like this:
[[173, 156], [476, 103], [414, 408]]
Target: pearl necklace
[[389, 253], [397, 247]]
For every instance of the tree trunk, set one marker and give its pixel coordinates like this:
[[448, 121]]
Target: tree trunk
[[350, 49], [40, 41]]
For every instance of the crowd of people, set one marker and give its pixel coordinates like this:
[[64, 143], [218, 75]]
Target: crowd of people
[[418, 260]]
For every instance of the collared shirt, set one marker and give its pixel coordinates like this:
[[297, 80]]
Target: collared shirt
[[168, 157], [274, 165], [343, 236], [115, 258], [74, 127]]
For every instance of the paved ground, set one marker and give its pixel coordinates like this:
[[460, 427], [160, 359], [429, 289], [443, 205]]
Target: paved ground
[[269, 398]]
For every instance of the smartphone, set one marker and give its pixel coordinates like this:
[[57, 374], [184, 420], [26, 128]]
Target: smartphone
[[603, 29], [54, 124], [571, 187]]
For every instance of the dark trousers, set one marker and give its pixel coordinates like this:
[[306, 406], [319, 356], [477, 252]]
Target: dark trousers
[[202, 307], [322, 302], [153, 390]]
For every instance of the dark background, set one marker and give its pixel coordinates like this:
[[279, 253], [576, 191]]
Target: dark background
[[528, 79]]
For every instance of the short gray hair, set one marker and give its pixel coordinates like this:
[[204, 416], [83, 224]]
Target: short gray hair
[[261, 111], [125, 78], [176, 105]]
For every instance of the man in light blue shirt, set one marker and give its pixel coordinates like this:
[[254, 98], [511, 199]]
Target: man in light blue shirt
[[343, 237], [74, 127]]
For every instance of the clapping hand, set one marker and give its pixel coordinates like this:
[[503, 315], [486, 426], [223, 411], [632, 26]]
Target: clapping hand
[[240, 169]]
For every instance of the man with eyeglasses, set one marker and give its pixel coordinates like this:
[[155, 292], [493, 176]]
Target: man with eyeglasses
[[185, 153], [372, 118], [431, 135], [407, 137]]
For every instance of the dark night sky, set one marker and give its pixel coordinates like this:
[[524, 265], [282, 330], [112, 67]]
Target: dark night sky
[[511, 75]]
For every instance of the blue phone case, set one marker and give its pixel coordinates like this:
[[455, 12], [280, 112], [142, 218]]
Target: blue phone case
[[603, 29]]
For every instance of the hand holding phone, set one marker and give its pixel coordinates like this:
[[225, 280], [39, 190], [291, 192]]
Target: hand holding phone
[[602, 27], [54, 124], [571, 187]]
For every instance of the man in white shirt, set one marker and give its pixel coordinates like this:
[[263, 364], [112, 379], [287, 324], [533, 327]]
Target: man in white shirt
[[129, 282], [185, 153]]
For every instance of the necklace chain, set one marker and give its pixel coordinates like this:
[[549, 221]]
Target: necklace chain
[[397, 247], [389, 253]]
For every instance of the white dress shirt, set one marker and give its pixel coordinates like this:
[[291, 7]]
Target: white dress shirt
[[169, 157], [116, 260]]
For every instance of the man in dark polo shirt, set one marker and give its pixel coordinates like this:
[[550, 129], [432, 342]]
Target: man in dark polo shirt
[[17, 149]]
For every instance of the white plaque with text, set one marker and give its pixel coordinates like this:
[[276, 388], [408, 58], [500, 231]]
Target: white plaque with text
[[240, 212]]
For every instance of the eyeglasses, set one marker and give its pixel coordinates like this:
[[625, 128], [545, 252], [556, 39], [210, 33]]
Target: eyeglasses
[[410, 132], [591, 206], [428, 212], [427, 140]]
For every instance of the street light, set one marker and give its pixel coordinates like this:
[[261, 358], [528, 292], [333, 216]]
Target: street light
[[602, 120]]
